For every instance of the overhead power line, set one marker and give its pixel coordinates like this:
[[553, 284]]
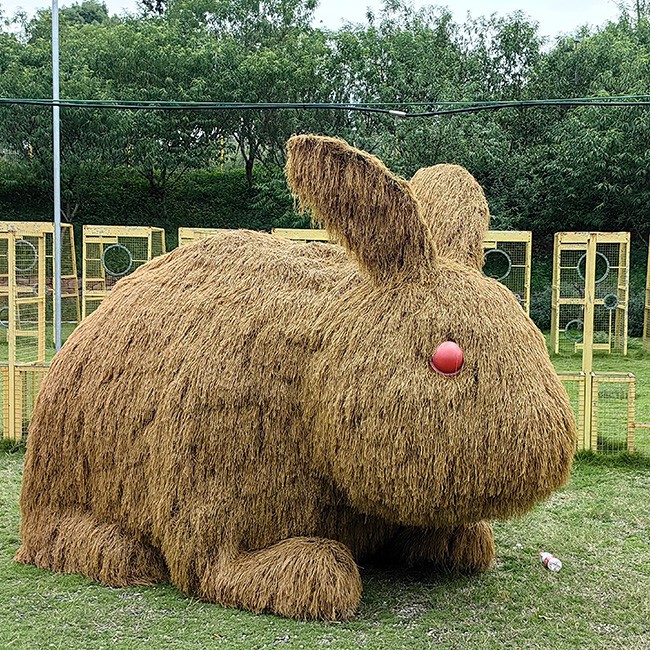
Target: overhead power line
[[388, 108]]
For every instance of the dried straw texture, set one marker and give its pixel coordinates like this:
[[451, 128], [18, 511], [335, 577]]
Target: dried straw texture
[[248, 417], [454, 206], [368, 209]]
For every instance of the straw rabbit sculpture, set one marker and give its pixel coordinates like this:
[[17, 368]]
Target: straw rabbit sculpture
[[246, 417]]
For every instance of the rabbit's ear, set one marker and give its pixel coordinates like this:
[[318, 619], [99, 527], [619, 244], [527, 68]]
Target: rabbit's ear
[[369, 210], [453, 205]]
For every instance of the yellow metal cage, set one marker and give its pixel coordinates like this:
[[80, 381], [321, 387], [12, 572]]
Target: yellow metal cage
[[608, 254], [607, 424], [28, 282], [27, 313], [508, 256], [189, 235], [112, 252]]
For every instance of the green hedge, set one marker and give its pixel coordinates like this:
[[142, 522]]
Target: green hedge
[[209, 199]]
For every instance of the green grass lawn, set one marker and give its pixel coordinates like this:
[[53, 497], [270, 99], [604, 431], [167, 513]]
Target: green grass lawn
[[599, 526]]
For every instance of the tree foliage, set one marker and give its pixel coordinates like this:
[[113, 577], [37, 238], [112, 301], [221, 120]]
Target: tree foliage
[[543, 169]]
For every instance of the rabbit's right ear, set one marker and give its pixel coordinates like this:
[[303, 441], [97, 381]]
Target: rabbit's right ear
[[368, 209], [454, 206]]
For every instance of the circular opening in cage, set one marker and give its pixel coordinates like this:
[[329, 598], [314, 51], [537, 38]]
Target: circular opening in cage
[[602, 267], [610, 301], [117, 260], [573, 330], [497, 264], [26, 256], [4, 317]]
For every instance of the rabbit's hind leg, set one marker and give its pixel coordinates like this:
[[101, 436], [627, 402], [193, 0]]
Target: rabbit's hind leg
[[468, 548], [77, 543]]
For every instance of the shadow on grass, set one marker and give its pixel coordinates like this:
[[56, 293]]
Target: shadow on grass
[[11, 446], [389, 589]]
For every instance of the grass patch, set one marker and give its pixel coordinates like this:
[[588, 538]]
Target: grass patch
[[599, 526]]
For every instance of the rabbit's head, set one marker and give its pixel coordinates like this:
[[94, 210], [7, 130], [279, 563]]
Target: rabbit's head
[[400, 435]]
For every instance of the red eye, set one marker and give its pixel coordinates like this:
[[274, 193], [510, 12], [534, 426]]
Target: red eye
[[447, 359]]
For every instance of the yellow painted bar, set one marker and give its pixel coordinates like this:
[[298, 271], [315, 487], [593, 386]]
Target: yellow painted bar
[[74, 277], [118, 231], [28, 228], [42, 291], [583, 237], [631, 416], [189, 235], [11, 336], [494, 236], [591, 432], [6, 411], [303, 234], [555, 295], [529, 270], [588, 339]]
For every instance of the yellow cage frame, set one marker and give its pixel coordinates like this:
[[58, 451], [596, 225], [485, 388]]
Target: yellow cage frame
[[588, 242], [189, 235], [105, 236]]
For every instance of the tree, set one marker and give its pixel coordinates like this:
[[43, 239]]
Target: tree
[[146, 60], [257, 52], [592, 160], [27, 130]]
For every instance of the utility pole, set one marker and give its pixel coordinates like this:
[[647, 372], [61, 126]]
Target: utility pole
[[56, 150]]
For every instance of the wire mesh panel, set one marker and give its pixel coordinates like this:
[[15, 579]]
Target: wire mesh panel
[[189, 235], [22, 295], [613, 418], [31, 232], [508, 260], [16, 412], [157, 242], [574, 384], [111, 253], [611, 282]]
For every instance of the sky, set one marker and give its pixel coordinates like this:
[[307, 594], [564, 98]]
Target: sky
[[554, 16]]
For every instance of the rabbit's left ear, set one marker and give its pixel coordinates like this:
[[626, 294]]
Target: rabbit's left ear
[[368, 209]]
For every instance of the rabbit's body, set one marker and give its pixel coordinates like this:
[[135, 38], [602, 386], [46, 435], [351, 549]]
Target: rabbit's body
[[247, 416]]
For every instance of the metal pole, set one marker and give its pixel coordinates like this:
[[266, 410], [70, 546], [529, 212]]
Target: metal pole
[[56, 137]]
